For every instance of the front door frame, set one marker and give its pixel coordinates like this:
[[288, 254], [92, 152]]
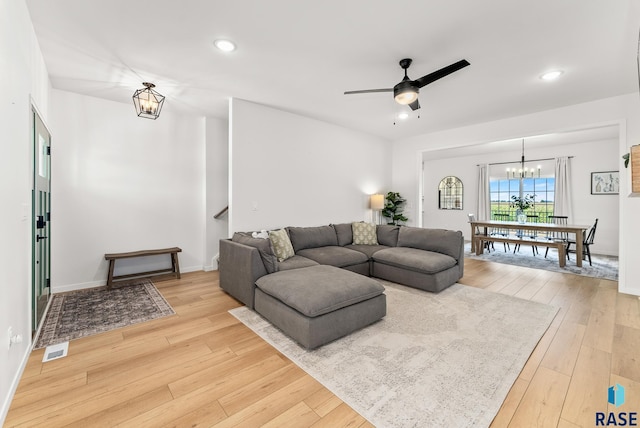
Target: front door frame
[[40, 218]]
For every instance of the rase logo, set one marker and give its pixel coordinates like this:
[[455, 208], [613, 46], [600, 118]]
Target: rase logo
[[615, 396]]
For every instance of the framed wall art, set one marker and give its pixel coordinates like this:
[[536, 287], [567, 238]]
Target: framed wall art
[[605, 183]]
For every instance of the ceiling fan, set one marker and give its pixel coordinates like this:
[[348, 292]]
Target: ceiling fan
[[406, 92]]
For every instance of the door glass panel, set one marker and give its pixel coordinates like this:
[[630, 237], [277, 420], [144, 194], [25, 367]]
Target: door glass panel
[[43, 165]]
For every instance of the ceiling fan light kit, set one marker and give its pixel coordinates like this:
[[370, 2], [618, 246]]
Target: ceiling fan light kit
[[406, 92], [148, 103]]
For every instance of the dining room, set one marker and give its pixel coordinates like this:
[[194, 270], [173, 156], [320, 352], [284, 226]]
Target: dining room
[[572, 175]]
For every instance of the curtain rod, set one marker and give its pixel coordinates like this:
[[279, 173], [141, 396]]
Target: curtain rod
[[531, 160]]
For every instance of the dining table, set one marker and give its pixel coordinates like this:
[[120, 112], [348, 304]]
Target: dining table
[[480, 229]]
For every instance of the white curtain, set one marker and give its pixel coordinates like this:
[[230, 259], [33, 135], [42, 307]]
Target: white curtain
[[484, 204], [562, 203]]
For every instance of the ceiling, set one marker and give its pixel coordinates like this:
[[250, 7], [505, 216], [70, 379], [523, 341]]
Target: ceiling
[[587, 135], [300, 56]]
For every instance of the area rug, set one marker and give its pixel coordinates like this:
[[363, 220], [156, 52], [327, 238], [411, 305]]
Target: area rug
[[436, 360], [605, 267], [86, 312]]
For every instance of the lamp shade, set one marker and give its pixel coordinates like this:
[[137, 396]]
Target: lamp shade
[[377, 202], [148, 103]]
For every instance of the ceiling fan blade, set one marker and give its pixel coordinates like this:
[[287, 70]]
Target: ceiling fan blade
[[443, 72], [415, 105], [367, 91]]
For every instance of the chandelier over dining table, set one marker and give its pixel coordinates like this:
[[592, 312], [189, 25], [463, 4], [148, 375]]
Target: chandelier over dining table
[[523, 171]]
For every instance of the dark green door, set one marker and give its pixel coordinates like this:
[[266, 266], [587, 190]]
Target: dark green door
[[41, 218]]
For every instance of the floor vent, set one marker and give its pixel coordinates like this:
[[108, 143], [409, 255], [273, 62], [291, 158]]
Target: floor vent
[[53, 352]]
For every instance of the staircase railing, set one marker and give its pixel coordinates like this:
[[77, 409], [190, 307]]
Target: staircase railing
[[222, 212]]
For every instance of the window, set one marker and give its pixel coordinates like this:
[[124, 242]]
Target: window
[[501, 191]]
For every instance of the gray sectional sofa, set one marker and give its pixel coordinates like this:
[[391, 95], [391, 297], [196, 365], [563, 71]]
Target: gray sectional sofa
[[324, 290]]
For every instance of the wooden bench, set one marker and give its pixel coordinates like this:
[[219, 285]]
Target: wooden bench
[[480, 239], [175, 267]]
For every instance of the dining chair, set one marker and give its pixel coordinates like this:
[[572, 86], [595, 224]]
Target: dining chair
[[588, 241], [500, 231], [557, 236]]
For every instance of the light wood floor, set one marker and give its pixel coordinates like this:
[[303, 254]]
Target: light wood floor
[[204, 368]]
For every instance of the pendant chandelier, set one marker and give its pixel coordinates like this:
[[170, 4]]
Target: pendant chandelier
[[523, 171], [148, 102]]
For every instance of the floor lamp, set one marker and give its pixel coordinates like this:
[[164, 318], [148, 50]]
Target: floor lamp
[[377, 204]]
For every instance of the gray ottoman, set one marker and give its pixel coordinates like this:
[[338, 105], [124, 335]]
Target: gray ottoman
[[317, 304]]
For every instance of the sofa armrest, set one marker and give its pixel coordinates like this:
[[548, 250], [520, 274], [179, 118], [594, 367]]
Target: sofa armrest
[[461, 257], [240, 266]]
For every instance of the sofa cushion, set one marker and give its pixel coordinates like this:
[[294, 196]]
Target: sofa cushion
[[334, 256], [281, 244], [364, 233], [296, 262], [264, 246], [312, 237], [388, 234], [416, 260], [368, 250], [442, 241], [344, 231], [318, 290]]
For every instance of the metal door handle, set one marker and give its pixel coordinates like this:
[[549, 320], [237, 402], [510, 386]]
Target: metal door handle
[[38, 238]]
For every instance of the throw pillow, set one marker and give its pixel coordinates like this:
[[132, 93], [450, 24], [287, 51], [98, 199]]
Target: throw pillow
[[281, 244], [344, 231], [364, 234], [388, 235], [264, 247]]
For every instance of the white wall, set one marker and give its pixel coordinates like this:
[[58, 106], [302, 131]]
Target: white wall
[[587, 157], [624, 110], [138, 184], [24, 75], [289, 170], [217, 187]]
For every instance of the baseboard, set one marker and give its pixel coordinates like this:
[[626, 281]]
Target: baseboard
[[14, 385], [78, 286], [101, 283], [604, 253]]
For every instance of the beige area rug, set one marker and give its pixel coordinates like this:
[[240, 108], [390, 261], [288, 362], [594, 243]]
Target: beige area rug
[[435, 360], [96, 310]]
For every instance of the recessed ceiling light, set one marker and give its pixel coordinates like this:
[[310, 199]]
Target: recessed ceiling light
[[551, 75], [225, 45], [403, 115]]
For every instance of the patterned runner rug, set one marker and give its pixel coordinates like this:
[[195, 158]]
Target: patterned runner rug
[[605, 267], [436, 360], [86, 312]]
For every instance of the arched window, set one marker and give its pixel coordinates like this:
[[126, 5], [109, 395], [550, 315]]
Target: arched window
[[450, 192]]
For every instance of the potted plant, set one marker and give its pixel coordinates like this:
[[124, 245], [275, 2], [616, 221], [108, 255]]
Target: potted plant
[[521, 205], [393, 208]]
